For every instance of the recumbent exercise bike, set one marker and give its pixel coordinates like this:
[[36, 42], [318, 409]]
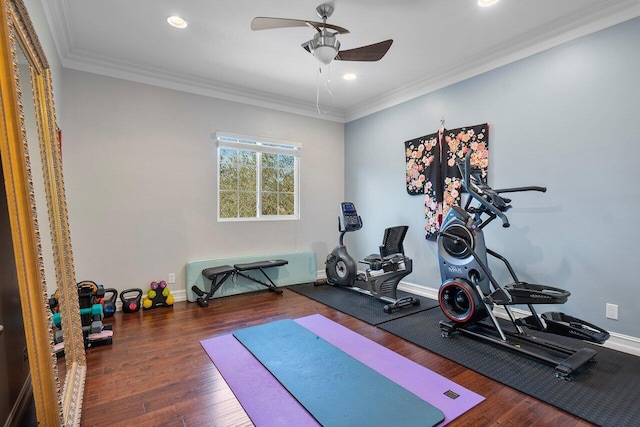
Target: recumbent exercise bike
[[385, 270], [469, 291]]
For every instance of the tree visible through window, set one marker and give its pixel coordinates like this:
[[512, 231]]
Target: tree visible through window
[[257, 179]]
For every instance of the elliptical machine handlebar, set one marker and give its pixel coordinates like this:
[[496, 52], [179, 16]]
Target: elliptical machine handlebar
[[519, 189], [495, 205], [490, 199]]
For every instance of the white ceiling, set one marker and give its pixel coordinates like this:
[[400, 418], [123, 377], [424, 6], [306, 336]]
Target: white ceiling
[[436, 43]]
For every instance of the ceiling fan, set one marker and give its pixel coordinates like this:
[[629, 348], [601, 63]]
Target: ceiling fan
[[324, 45]]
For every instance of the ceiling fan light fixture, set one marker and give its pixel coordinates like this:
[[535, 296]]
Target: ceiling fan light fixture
[[324, 47], [325, 54], [350, 76]]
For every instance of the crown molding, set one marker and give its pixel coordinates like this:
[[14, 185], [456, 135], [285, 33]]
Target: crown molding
[[56, 13], [606, 14], [87, 62]]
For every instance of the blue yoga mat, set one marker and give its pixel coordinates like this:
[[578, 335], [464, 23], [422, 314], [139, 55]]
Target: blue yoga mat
[[335, 388]]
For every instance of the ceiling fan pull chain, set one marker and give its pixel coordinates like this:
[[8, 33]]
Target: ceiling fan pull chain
[[318, 89], [326, 86]]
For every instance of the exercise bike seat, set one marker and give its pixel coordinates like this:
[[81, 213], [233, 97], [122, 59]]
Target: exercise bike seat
[[391, 250], [374, 261]]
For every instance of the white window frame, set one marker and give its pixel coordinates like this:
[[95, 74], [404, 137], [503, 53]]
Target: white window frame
[[260, 145]]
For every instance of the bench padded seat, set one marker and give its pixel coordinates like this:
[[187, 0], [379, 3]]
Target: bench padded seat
[[212, 272], [260, 264]]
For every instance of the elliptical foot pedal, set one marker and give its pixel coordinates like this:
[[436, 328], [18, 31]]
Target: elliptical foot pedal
[[529, 293], [564, 324]]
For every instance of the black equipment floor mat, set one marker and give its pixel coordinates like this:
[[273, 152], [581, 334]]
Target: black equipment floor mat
[[363, 307], [605, 392]]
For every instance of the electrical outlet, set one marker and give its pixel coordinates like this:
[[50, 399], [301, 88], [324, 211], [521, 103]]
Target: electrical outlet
[[172, 278], [612, 311]]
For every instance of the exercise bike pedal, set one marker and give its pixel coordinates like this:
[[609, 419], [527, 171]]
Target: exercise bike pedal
[[400, 303]]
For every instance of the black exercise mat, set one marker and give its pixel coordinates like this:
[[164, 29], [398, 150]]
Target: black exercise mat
[[363, 307], [606, 392]]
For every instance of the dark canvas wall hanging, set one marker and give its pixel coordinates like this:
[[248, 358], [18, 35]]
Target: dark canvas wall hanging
[[432, 171]]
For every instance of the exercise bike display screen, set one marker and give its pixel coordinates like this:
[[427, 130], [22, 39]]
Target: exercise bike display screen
[[350, 219]]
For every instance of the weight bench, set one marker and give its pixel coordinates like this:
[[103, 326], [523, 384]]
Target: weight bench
[[218, 275]]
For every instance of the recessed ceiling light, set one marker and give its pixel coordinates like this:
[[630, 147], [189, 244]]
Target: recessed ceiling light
[[349, 76], [487, 3], [176, 21]]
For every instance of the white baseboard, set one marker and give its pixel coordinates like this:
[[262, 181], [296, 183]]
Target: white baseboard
[[180, 295], [620, 342], [423, 291]]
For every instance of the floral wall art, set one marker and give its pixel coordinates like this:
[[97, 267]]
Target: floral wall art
[[432, 171]]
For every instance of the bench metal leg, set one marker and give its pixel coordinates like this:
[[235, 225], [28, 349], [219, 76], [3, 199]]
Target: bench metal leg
[[203, 299], [272, 286]]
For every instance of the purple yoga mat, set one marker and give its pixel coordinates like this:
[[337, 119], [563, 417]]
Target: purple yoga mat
[[261, 395], [269, 404]]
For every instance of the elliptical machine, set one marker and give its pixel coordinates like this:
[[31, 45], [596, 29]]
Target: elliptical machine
[[380, 280], [469, 291]]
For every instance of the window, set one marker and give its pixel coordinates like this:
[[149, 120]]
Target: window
[[257, 178]]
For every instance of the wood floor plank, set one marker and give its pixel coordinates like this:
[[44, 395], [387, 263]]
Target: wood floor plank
[[157, 374]]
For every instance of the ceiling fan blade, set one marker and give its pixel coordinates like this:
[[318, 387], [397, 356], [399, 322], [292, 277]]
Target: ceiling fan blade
[[319, 25], [265, 23], [372, 52]]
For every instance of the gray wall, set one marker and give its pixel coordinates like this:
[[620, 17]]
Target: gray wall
[[566, 119], [140, 175]]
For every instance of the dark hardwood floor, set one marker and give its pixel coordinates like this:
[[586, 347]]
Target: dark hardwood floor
[[156, 373]]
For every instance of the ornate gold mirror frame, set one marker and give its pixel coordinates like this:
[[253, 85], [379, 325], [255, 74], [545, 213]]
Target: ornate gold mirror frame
[[28, 207]]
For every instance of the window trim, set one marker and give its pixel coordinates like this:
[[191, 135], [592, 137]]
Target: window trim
[[259, 145]]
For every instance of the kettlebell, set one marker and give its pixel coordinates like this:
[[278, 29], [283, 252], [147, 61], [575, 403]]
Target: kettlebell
[[131, 304], [110, 296]]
